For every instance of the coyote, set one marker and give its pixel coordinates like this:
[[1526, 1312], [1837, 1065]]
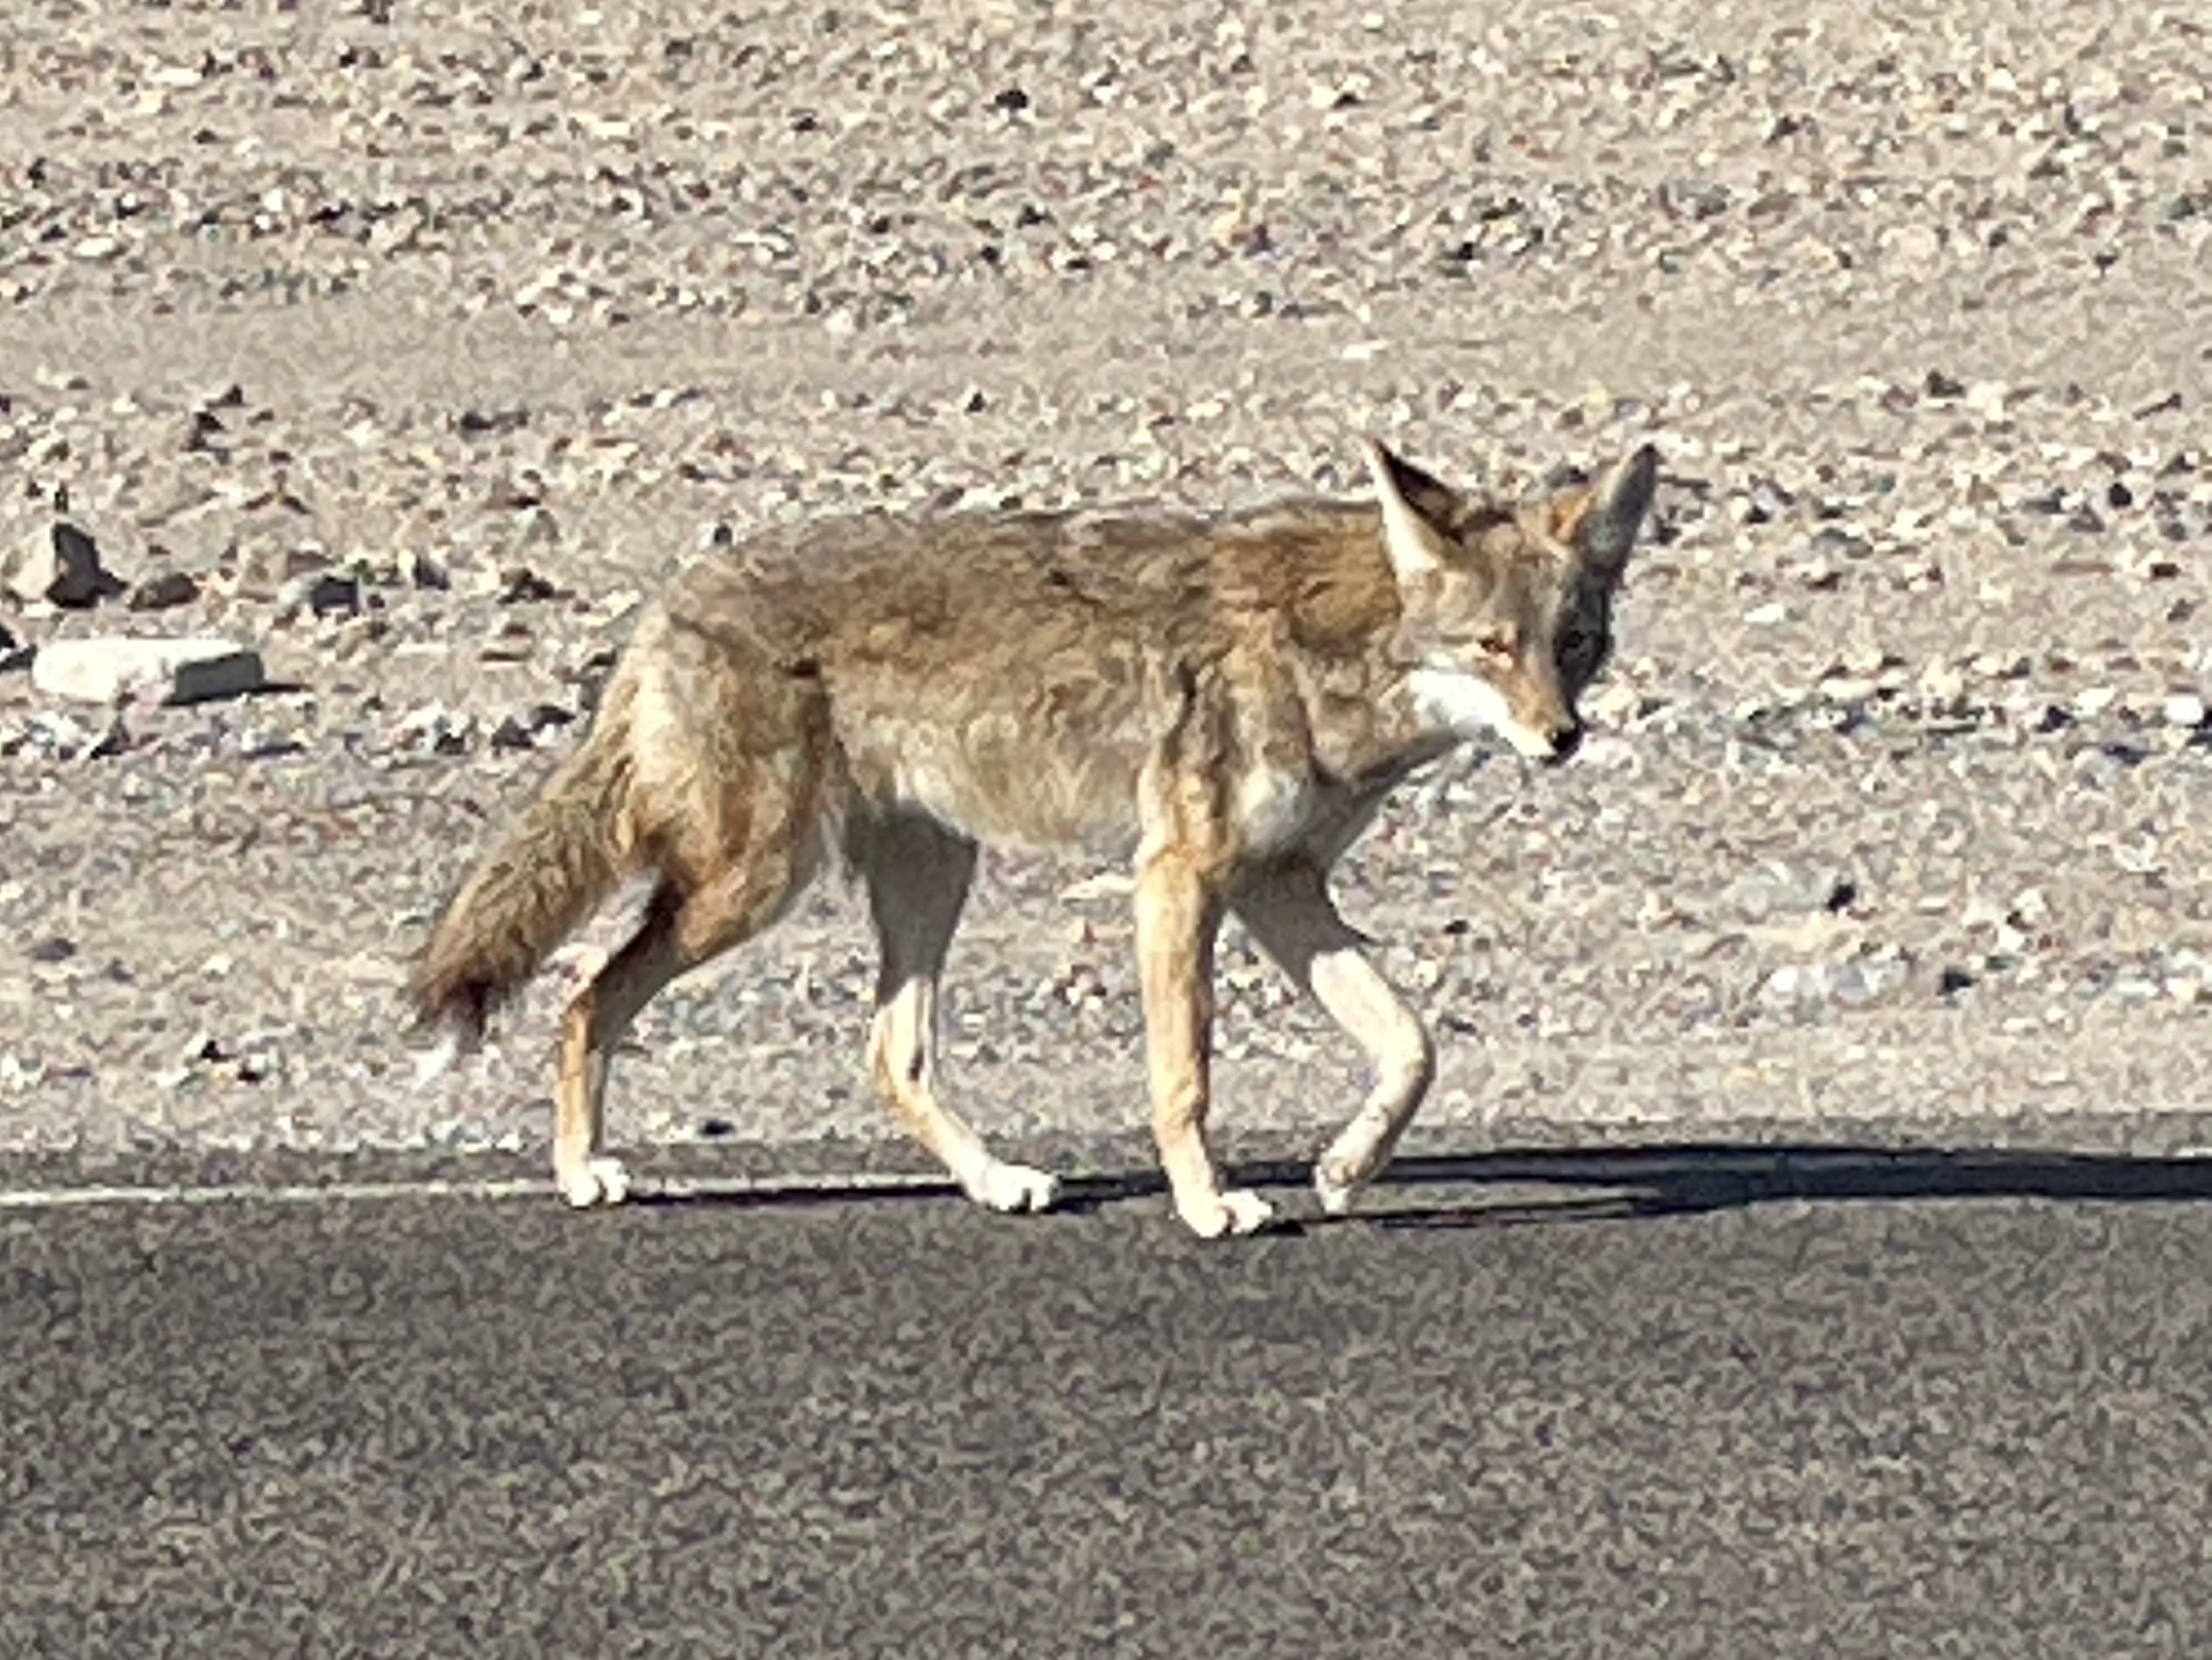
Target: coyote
[[1224, 701]]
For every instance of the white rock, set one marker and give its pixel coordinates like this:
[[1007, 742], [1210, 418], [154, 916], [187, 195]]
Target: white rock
[[1988, 399], [1805, 985], [107, 668], [1939, 679], [2184, 709]]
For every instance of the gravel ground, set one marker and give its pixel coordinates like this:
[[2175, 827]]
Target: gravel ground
[[415, 346]]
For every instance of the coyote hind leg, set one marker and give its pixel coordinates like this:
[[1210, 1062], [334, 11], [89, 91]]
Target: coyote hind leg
[[685, 927], [1287, 911], [918, 875]]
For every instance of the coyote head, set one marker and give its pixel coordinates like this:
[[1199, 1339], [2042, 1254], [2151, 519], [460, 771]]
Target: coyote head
[[1507, 611]]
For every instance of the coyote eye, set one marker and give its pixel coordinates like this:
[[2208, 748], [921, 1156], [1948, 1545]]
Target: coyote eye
[[1495, 643]]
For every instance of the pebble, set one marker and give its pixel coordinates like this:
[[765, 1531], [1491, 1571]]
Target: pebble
[[2183, 709], [164, 592], [60, 567], [443, 732], [523, 729], [320, 593], [1805, 986], [1778, 888]]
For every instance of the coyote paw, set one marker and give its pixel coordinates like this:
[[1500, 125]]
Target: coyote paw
[[1014, 1186], [1215, 1215], [1336, 1188], [597, 1182]]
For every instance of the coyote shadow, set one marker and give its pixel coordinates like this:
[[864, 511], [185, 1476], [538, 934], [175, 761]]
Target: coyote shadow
[[1680, 1179], [1660, 1180]]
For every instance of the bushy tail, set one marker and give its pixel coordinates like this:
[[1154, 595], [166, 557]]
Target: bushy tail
[[559, 864]]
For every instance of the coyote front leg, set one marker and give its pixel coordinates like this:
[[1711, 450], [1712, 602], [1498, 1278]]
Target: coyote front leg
[[1287, 910], [1178, 919], [918, 880]]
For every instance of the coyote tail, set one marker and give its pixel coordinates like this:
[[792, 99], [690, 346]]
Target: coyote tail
[[566, 857]]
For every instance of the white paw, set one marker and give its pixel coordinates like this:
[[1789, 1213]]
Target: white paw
[[1215, 1215], [1334, 1189], [1014, 1186], [597, 1182]]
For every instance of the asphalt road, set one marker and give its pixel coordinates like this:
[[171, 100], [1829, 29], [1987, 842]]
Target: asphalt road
[[1695, 1403]]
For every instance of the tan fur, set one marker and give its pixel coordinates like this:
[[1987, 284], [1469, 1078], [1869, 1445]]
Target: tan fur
[[1224, 701]]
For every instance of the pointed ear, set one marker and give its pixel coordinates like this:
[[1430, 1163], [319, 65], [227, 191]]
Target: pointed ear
[[1601, 522], [1412, 502]]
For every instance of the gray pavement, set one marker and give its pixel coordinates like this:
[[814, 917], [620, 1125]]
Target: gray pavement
[[1701, 1402]]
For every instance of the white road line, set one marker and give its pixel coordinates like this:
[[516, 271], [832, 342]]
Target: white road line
[[101, 1194], [438, 1188]]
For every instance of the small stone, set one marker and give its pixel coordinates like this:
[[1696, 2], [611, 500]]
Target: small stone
[[438, 730], [519, 585], [1832, 542], [265, 568], [1915, 244], [1777, 889], [2183, 709], [520, 731], [1941, 681], [1987, 400], [1766, 501], [61, 568], [319, 593], [164, 592], [1807, 985], [107, 668], [200, 430]]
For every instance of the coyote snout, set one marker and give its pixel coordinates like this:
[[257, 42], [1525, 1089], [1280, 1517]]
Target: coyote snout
[[1223, 701]]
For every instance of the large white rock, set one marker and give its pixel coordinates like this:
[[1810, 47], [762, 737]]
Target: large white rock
[[106, 669]]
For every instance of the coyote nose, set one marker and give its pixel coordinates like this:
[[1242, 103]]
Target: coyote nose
[[1565, 739]]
